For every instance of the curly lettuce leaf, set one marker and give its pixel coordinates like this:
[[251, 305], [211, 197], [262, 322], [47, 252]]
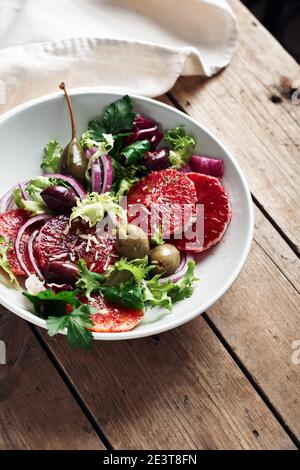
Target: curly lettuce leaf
[[139, 268], [124, 186], [88, 281], [157, 238], [124, 178], [4, 263], [165, 294], [52, 154], [95, 206], [104, 146], [181, 144], [36, 204]]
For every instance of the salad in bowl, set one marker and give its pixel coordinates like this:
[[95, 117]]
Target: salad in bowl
[[114, 224]]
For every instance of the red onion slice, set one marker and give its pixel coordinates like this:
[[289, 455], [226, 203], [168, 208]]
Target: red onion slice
[[31, 255], [22, 187], [72, 182], [96, 176], [107, 173], [27, 224], [180, 271], [7, 200], [207, 165], [90, 152]]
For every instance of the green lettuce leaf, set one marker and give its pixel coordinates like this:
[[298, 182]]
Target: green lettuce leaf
[[165, 294], [104, 146], [95, 206], [52, 154], [157, 238], [88, 282], [138, 268], [182, 146], [4, 263], [36, 204]]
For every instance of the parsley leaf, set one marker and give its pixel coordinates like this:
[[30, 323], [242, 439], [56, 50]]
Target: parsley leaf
[[52, 153], [76, 323], [118, 116], [47, 302]]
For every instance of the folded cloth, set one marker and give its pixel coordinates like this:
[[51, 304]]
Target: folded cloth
[[140, 46]]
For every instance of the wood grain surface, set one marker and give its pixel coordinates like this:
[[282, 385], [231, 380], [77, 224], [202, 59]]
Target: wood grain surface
[[226, 380], [237, 105], [180, 390], [37, 410]]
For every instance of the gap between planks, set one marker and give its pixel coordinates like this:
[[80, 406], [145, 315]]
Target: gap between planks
[[71, 387], [252, 381]]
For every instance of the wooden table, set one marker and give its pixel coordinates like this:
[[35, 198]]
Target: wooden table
[[227, 379]]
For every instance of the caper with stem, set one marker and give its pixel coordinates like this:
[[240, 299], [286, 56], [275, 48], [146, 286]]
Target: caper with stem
[[73, 161]]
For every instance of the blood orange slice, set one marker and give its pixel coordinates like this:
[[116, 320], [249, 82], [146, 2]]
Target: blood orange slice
[[110, 318], [10, 223], [161, 199], [217, 212], [57, 242]]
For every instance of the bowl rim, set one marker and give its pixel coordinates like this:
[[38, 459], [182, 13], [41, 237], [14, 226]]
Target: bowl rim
[[193, 313]]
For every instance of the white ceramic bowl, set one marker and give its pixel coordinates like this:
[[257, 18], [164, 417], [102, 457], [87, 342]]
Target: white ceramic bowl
[[25, 130]]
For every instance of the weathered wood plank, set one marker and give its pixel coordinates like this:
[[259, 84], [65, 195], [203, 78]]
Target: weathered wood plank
[[260, 319], [180, 390], [36, 409], [277, 249], [264, 136]]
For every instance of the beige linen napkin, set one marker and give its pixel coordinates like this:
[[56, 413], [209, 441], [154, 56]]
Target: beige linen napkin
[[140, 46]]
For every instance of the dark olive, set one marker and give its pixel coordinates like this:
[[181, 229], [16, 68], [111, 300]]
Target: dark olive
[[59, 198], [166, 259], [73, 161], [157, 160], [132, 242], [62, 272], [118, 277]]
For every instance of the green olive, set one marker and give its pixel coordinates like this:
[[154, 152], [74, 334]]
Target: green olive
[[165, 258], [118, 277], [132, 242]]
